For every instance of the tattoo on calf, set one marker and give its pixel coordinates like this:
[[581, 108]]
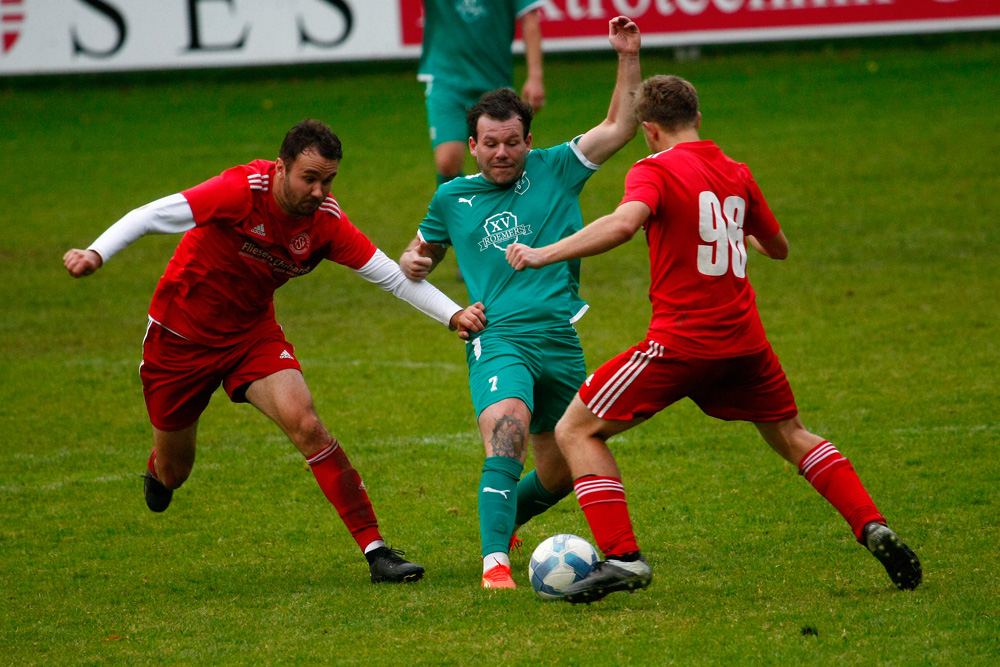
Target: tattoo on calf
[[509, 436]]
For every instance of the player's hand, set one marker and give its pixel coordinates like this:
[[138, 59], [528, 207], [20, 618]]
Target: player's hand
[[82, 262], [534, 94], [623, 34], [469, 321], [415, 263], [523, 257]]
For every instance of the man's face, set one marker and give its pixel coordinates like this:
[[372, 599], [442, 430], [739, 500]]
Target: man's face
[[501, 150], [302, 185]]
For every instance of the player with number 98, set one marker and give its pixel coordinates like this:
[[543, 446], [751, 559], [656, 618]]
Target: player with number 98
[[705, 341]]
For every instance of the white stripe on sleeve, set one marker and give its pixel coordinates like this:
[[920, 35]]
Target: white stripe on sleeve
[[418, 293], [169, 215]]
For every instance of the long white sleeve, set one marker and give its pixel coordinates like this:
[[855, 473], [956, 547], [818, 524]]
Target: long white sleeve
[[418, 293], [169, 215]]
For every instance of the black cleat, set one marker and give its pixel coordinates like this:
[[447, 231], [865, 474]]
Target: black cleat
[[386, 565], [609, 576], [898, 559], [157, 496]]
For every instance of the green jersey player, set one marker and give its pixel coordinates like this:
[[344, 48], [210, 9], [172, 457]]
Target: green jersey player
[[526, 365], [467, 52]]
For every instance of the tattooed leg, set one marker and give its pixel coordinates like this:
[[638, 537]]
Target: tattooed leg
[[504, 427], [509, 438]]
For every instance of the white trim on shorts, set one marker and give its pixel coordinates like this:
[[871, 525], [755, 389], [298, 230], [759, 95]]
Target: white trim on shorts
[[623, 377]]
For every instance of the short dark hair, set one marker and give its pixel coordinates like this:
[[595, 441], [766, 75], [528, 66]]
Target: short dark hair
[[310, 134], [667, 100], [500, 104]]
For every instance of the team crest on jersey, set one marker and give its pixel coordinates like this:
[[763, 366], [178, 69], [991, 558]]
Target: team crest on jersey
[[299, 245], [470, 10], [502, 229], [522, 184]]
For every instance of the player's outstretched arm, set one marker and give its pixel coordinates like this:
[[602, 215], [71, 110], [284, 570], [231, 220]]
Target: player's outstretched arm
[[599, 236], [169, 215], [533, 91], [420, 258], [81, 263], [420, 294], [603, 141], [469, 321]]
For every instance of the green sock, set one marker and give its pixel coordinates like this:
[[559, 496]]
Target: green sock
[[444, 179], [533, 498], [498, 502]]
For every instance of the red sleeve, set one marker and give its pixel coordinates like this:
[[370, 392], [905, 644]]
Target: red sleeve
[[643, 183], [349, 245], [223, 198], [760, 221]]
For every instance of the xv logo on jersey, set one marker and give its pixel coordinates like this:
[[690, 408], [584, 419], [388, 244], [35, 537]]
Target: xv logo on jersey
[[502, 229]]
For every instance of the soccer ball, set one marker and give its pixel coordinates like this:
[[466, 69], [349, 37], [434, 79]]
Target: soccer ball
[[558, 562]]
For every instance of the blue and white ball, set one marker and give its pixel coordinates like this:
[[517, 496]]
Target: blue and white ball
[[558, 562]]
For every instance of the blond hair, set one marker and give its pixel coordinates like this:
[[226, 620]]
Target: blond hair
[[667, 100]]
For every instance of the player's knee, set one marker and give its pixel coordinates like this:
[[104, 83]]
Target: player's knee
[[308, 432], [790, 439], [568, 432], [449, 161], [172, 473]]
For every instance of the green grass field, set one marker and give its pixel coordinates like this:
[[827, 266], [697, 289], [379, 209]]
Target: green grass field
[[879, 158]]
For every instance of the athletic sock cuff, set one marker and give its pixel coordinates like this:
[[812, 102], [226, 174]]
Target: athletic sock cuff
[[503, 465], [599, 489], [324, 453], [819, 459], [539, 489]]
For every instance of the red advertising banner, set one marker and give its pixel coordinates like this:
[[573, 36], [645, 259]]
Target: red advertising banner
[[675, 22]]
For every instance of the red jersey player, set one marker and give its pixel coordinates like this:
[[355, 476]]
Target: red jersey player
[[211, 321], [705, 341]]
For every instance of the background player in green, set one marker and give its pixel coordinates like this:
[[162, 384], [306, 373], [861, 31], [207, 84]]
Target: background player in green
[[466, 52], [524, 365]]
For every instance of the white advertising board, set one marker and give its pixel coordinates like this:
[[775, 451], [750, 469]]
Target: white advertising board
[[65, 36], [58, 36]]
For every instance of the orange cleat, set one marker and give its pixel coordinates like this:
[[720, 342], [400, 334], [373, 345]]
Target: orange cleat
[[498, 576]]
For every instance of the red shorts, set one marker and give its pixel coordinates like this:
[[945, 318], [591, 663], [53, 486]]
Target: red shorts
[[179, 376], [643, 380]]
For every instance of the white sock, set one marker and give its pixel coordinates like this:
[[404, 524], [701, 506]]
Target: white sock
[[374, 545], [496, 558]]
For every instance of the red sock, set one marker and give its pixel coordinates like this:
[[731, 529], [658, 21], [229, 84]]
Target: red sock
[[833, 476], [603, 502], [343, 487], [151, 464]]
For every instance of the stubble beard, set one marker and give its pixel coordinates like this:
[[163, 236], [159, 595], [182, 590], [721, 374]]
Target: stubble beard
[[299, 208]]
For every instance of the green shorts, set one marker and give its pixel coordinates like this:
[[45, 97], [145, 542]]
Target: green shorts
[[446, 111], [543, 370]]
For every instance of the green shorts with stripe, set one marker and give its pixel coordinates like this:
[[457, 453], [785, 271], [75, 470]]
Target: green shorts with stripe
[[447, 108], [544, 370]]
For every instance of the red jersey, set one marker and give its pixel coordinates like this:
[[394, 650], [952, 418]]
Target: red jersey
[[703, 205], [220, 282]]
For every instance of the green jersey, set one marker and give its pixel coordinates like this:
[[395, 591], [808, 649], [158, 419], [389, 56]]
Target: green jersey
[[467, 42], [479, 219]]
